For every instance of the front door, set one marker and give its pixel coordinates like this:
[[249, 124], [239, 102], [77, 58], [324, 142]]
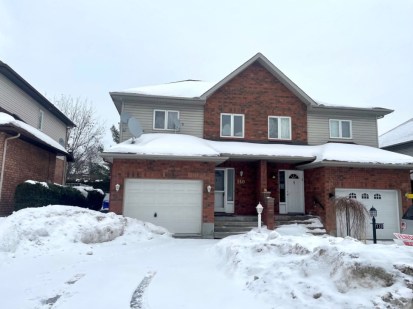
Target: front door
[[291, 184], [224, 190]]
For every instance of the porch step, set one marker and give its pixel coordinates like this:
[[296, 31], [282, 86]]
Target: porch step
[[233, 225], [312, 223]]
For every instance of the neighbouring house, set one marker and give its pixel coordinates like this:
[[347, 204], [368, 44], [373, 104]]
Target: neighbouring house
[[213, 149], [399, 139], [33, 136]]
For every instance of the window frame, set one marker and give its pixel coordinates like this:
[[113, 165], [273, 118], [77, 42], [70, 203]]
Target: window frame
[[40, 120], [232, 125], [340, 128], [166, 111], [279, 128]]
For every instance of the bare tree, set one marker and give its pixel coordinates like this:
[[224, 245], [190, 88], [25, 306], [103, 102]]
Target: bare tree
[[85, 140], [351, 217]]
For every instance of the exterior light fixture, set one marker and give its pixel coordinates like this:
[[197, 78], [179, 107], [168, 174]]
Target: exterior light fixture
[[209, 188], [117, 187], [259, 211], [241, 173], [373, 215]]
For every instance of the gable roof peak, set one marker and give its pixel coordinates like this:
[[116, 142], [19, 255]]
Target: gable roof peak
[[268, 65]]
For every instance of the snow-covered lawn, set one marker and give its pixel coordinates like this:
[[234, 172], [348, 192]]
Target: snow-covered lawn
[[67, 257]]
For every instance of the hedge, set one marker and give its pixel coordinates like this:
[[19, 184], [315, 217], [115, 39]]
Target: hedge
[[37, 195]]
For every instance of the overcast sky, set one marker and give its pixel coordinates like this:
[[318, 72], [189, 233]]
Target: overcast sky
[[352, 52]]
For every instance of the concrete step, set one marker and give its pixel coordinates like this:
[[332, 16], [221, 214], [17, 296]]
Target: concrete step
[[227, 225], [220, 235], [235, 229], [224, 218], [235, 223], [304, 220]]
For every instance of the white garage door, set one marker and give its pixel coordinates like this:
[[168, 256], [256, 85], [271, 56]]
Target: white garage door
[[387, 204], [173, 204]]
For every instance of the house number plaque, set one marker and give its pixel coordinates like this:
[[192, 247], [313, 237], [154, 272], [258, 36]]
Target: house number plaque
[[240, 181]]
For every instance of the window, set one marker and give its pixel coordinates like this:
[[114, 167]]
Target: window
[[165, 120], [352, 195], [377, 196], [340, 128], [232, 125], [365, 196], [40, 120], [279, 127]]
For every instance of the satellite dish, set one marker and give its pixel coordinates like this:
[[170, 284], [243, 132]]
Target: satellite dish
[[62, 142], [177, 124], [124, 117], [134, 128]]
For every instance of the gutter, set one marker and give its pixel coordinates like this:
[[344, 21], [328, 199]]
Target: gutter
[[4, 160]]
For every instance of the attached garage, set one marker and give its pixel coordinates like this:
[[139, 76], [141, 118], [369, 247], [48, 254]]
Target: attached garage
[[388, 210], [171, 203]]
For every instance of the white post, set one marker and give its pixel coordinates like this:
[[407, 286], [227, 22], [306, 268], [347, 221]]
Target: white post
[[259, 211]]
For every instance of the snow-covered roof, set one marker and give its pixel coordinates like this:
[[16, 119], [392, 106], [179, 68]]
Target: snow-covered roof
[[180, 89], [182, 146], [24, 128], [399, 135]]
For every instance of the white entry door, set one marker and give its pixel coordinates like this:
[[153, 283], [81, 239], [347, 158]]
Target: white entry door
[[291, 184], [224, 190]]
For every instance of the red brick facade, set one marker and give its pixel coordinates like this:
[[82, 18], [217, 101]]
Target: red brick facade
[[60, 170], [23, 161], [151, 169], [257, 94], [320, 184]]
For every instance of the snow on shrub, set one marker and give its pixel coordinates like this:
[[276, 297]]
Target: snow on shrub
[[56, 226], [319, 270]]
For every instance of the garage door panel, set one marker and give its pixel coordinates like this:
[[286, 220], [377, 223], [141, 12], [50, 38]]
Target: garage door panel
[[387, 204], [177, 203]]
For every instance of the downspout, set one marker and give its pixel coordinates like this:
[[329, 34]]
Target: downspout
[[4, 160]]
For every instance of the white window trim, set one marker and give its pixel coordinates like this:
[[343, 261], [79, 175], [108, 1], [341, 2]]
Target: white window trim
[[279, 128], [232, 126], [340, 130], [166, 111], [40, 120]]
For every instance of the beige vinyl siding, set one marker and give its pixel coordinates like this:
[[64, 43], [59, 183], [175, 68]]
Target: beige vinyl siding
[[364, 128], [18, 102], [191, 116]]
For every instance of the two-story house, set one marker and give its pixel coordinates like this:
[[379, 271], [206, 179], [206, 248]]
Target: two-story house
[[210, 149], [33, 136]]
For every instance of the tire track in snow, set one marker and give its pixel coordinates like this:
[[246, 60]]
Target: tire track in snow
[[137, 301]]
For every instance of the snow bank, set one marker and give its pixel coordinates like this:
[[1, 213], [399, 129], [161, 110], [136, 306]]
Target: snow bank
[[56, 226], [320, 271]]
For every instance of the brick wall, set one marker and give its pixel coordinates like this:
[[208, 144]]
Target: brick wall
[[257, 94], [23, 161], [151, 169], [320, 182], [60, 170]]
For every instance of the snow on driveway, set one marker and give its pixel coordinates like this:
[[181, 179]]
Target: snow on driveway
[[67, 257], [37, 272]]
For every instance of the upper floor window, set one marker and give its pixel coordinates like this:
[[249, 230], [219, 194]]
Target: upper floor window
[[232, 125], [340, 128], [279, 127], [40, 120], [165, 120]]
